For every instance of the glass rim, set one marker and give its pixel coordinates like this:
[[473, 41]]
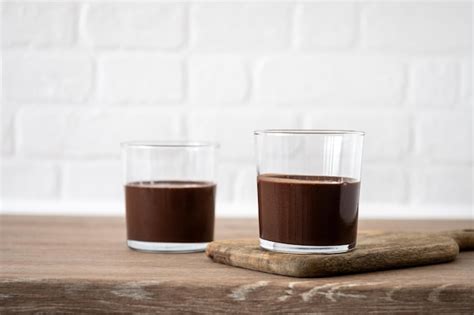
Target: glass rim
[[308, 132], [170, 144]]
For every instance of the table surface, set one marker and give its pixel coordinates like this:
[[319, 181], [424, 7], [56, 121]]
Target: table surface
[[69, 264]]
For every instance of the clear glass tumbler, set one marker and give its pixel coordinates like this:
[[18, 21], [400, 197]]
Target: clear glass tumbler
[[170, 192], [308, 189]]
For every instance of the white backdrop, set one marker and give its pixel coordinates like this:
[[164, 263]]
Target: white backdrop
[[80, 77]]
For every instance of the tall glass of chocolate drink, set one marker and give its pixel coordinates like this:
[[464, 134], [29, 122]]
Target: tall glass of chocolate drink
[[308, 189]]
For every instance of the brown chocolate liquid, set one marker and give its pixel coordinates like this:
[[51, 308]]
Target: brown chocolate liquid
[[170, 211], [308, 210]]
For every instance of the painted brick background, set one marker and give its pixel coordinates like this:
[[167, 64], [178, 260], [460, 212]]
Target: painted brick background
[[79, 77]]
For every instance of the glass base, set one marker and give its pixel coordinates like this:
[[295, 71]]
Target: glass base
[[159, 247], [304, 249]]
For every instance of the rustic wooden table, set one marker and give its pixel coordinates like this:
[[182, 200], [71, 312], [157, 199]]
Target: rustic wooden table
[[64, 264]]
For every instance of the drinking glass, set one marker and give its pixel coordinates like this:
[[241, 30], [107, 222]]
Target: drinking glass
[[308, 189], [169, 195]]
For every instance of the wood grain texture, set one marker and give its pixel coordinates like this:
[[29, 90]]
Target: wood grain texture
[[63, 264], [464, 238], [375, 251]]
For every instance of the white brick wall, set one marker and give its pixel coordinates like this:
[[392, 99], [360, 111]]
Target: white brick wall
[[92, 180], [142, 78], [218, 80], [234, 129], [240, 26], [46, 77], [449, 185], [387, 182], [60, 132], [148, 25], [326, 25], [80, 77], [25, 180], [6, 132], [466, 84], [435, 84], [421, 26], [445, 137], [38, 25], [334, 80]]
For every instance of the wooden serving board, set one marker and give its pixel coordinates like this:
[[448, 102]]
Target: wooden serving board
[[375, 250]]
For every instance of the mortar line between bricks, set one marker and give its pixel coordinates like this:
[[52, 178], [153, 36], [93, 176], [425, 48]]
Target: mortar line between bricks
[[183, 52]]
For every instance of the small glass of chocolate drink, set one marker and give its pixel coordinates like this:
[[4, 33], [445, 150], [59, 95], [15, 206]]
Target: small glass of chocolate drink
[[169, 195]]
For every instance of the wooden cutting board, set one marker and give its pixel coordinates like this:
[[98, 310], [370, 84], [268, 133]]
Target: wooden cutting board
[[375, 250]]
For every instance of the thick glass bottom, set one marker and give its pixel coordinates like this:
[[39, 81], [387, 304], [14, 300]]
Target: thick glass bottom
[[304, 249], [159, 247]]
